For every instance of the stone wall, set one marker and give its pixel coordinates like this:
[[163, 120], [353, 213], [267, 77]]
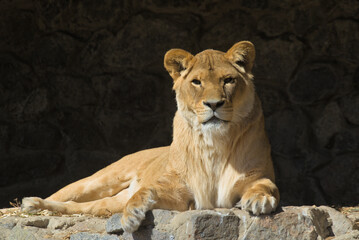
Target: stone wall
[[83, 83]]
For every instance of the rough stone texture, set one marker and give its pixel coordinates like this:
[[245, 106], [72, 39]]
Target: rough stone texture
[[60, 223], [350, 108], [17, 233], [329, 123], [53, 227], [92, 236], [35, 222], [206, 225], [340, 223], [309, 223], [312, 84], [113, 225], [350, 236], [83, 83]]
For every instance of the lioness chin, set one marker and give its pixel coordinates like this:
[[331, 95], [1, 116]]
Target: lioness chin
[[219, 156]]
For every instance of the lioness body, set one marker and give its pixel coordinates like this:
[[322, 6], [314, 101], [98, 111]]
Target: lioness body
[[219, 157]]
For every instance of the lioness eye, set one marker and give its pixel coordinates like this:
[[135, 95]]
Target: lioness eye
[[241, 63], [196, 82], [229, 80]]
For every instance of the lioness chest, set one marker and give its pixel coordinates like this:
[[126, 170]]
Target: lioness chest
[[211, 179]]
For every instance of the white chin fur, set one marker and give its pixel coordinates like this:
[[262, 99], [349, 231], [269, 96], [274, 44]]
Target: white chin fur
[[214, 132], [217, 128]]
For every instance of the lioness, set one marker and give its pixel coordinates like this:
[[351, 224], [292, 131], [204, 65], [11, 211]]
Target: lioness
[[219, 156]]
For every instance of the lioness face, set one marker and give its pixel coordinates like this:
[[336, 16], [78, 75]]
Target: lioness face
[[213, 89]]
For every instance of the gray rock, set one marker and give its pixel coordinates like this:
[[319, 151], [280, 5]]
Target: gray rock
[[148, 232], [7, 223], [349, 236], [354, 216], [89, 224], [291, 223], [154, 224], [321, 222], [92, 236], [113, 224], [161, 217], [60, 223], [340, 223], [208, 226], [287, 223], [39, 222], [5, 231], [18, 233], [205, 225]]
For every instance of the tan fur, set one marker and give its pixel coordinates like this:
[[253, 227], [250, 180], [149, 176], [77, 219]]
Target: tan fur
[[223, 162]]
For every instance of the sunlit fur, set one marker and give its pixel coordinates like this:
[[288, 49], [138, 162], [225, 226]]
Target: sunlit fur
[[212, 162]]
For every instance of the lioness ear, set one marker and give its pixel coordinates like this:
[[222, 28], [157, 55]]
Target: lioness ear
[[242, 54], [177, 60]]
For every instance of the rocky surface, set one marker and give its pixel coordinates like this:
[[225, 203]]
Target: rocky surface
[[307, 222], [82, 83]]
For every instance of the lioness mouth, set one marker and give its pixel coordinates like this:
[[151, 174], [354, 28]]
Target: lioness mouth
[[214, 120]]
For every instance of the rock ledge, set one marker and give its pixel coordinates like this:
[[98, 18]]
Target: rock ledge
[[306, 222]]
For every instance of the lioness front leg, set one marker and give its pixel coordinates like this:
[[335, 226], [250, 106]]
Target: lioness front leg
[[261, 197], [167, 193], [135, 210], [104, 206]]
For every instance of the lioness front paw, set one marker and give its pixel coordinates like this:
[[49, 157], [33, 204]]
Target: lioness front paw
[[136, 208], [31, 204], [132, 218], [258, 203]]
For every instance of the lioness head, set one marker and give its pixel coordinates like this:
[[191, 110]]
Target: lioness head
[[213, 89]]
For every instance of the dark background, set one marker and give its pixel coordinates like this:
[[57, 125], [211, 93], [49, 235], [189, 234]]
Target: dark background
[[82, 83]]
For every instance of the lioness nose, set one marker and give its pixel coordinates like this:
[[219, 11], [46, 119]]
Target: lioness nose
[[214, 104]]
